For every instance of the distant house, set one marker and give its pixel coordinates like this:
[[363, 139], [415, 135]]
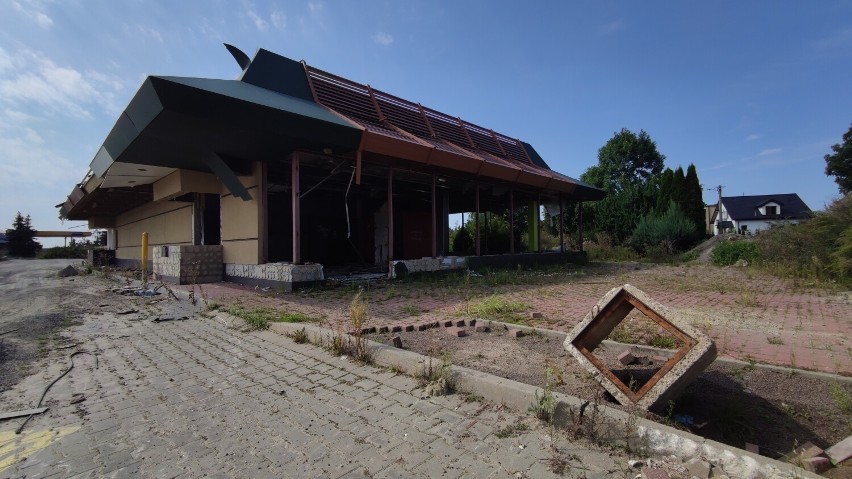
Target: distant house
[[750, 214], [709, 215]]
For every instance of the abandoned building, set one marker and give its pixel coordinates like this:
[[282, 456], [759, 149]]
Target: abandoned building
[[269, 178]]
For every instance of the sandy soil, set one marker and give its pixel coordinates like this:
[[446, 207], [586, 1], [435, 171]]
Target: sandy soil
[[730, 403]]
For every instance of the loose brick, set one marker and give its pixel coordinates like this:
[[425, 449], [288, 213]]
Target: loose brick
[[423, 326], [626, 357], [456, 331], [808, 450], [383, 329], [396, 341], [536, 315], [397, 328], [816, 464], [370, 330], [840, 451], [408, 327], [460, 322], [515, 333], [447, 323], [471, 322]]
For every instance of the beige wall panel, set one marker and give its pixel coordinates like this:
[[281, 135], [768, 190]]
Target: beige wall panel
[[166, 223], [184, 181], [240, 219], [148, 210], [240, 252]]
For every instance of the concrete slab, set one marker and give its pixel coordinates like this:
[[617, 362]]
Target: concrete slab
[[697, 351], [840, 451]]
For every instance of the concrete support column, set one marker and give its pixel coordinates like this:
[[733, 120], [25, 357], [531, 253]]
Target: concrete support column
[[512, 221], [434, 221], [478, 250], [580, 214], [561, 227], [390, 216], [296, 192], [533, 225]]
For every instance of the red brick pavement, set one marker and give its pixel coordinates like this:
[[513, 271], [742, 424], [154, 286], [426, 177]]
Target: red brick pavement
[[748, 314]]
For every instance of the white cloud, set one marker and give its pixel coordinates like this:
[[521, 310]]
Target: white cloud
[[33, 137], [769, 151], [33, 12], [35, 79], [5, 61], [259, 22], [19, 117], [383, 38], [719, 166], [26, 160], [315, 7], [278, 19], [149, 32], [611, 27], [752, 137]]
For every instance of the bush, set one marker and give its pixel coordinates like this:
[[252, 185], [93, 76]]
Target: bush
[[820, 248], [670, 232], [75, 251], [462, 242], [729, 252]]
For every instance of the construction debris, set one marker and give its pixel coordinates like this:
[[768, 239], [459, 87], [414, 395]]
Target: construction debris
[[27, 412], [697, 351], [67, 271], [841, 451]]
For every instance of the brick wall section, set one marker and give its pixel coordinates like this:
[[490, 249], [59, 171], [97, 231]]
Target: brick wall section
[[188, 264]]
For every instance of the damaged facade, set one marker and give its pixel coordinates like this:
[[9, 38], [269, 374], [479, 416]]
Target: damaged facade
[[289, 169]]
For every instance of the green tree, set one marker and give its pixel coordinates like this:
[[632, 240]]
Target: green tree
[[664, 193], [626, 160], [21, 237], [629, 167], [839, 164], [693, 206]]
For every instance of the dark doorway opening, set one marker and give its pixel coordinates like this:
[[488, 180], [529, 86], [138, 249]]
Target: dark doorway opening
[[211, 223]]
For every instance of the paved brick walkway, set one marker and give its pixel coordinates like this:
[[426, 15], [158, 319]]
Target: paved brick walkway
[[193, 398], [749, 314]]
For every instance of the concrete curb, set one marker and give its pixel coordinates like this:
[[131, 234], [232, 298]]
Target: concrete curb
[[606, 424]]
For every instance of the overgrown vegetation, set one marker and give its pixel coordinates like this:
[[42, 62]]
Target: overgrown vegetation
[[259, 318], [437, 380], [498, 308], [730, 252], [544, 406], [21, 238], [664, 234]]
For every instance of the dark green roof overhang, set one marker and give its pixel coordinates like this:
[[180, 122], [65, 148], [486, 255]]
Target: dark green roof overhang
[[179, 122]]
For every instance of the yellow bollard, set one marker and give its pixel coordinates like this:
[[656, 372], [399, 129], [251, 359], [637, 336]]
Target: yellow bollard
[[144, 257]]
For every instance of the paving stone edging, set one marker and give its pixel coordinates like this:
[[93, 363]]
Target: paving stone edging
[[612, 426]]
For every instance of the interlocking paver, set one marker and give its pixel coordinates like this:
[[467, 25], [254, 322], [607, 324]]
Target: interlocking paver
[[192, 398]]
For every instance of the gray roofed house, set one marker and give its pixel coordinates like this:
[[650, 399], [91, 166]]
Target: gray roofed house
[[750, 214]]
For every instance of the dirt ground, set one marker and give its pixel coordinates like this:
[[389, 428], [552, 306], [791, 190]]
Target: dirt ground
[[36, 305], [730, 403]]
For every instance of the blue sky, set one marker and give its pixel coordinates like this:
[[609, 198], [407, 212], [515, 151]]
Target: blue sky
[[752, 93]]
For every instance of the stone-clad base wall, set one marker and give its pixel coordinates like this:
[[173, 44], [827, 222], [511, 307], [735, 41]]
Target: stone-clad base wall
[[188, 264], [284, 275]]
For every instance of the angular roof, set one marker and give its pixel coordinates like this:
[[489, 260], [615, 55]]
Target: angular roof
[[279, 105], [746, 207]]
